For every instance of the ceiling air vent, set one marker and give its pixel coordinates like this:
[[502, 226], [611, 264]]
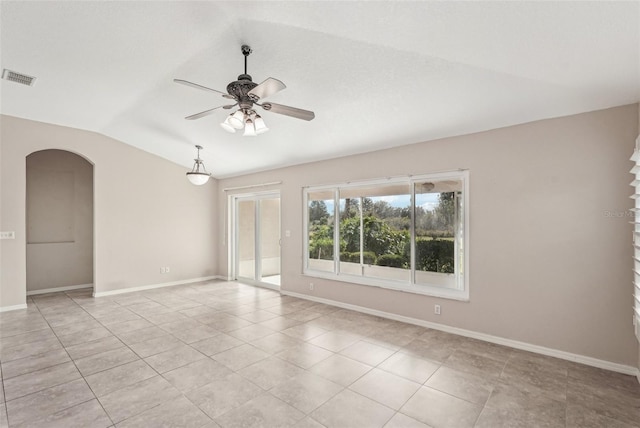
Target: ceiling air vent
[[13, 76]]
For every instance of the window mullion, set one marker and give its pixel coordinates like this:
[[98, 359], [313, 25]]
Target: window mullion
[[456, 241], [361, 238], [412, 235], [336, 231]]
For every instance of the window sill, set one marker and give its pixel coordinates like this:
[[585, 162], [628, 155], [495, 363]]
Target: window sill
[[425, 290]]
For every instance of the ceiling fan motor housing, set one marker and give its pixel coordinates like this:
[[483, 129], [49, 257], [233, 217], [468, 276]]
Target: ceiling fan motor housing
[[239, 90]]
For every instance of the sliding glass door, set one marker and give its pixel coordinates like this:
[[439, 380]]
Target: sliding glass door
[[257, 238]]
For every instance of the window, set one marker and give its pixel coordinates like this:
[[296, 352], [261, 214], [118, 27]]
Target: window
[[320, 226], [404, 233], [634, 213]]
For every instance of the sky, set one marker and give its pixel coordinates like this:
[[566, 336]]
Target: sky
[[428, 201]]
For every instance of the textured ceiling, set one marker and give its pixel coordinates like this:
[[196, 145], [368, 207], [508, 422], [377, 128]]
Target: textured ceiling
[[377, 74]]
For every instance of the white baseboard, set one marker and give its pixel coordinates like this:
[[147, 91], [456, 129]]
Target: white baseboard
[[13, 308], [223, 278], [54, 290], [594, 362], [151, 286]]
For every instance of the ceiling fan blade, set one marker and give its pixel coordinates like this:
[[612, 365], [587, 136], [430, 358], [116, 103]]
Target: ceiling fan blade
[[204, 88], [208, 112], [298, 113], [266, 88]]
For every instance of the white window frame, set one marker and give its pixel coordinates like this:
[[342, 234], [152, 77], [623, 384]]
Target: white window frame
[[405, 286], [634, 213]]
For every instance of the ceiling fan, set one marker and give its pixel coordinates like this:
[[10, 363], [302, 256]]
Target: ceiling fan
[[246, 94]]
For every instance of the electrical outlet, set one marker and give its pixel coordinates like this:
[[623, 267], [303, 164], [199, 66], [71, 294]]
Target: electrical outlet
[[436, 309], [311, 286], [167, 270], [7, 235], [162, 270]]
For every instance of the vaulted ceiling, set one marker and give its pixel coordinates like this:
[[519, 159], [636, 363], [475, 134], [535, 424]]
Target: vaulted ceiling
[[376, 74]]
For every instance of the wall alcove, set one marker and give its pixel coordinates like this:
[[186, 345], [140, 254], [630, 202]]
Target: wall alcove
[[59, 221]]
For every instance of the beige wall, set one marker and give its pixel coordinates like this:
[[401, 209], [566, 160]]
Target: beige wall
[[147, 215], [547, 266], [59, 220]]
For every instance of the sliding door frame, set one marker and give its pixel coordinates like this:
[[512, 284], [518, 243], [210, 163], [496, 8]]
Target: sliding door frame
[[234, 252]]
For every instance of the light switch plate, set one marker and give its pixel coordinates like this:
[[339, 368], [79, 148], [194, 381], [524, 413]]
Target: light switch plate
[[7, 235]]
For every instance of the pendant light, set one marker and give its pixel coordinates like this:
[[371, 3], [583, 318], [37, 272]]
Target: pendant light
[[197, 175]]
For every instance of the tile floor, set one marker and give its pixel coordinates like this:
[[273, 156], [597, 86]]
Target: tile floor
[[224, 354]]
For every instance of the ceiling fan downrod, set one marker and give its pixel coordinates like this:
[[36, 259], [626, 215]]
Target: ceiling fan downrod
[[246, 51], [241, 87]]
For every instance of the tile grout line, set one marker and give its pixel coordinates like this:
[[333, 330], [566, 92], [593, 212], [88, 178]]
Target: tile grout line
[[141, 359], [158, 373], [233, 371], [4, 395], [71, 359]]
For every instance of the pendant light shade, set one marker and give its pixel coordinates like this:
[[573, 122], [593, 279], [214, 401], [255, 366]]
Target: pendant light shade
[[198, 175], [227, 126], [249, 129], [261, 127], [197, 178], [237, 119]]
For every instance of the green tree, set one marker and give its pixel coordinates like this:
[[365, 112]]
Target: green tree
[[445, 212], [350, 235], [379, 238], [321, 241], [351, 208], [318, 213]]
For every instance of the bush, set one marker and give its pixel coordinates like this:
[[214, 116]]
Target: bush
[[321, 249], [435, 255], [379, 237], [435, 233], [392, 260], [369, 257]]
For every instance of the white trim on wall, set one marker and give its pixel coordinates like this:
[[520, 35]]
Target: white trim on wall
[[594, 362], [57, 289], [152, 286], [13, 308]]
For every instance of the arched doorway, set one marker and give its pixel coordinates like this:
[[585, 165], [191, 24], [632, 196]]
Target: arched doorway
[[59, 221]]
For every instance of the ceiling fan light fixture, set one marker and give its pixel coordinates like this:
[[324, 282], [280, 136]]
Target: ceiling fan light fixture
[[198, 174], [227, 126], [236, 119], [259, 124], [249, 129], [246, 95]]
